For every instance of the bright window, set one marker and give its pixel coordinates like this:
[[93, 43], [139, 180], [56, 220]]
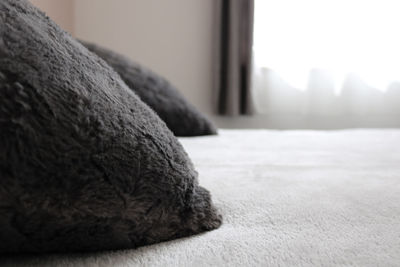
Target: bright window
[[359, 36]]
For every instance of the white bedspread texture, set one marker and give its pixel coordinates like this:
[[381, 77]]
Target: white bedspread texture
[[288, 198]]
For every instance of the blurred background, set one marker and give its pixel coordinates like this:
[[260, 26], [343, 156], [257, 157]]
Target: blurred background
[[284, 64]]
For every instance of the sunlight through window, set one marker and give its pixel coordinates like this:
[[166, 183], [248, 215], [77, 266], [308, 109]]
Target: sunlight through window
[[343, 36]]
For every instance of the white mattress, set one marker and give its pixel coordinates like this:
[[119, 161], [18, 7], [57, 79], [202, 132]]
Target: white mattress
[[289, 198]]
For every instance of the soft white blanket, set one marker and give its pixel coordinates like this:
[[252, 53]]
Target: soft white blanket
[[289, 198]]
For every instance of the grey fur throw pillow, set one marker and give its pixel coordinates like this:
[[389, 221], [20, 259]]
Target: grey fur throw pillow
[[84, 164], [182, 118]]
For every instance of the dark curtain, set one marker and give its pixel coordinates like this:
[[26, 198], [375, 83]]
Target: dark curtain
[[234, 52]]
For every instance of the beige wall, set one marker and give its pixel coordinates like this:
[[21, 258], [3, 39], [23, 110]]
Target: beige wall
[[61, 11], [174, 38]]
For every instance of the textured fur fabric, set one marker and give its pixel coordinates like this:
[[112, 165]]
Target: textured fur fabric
[[181, 117], [84, 164]]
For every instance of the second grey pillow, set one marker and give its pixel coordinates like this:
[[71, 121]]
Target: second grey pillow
[[182, 118]]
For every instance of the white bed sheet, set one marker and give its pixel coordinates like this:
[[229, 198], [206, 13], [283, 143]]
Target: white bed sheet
[[288, 198]]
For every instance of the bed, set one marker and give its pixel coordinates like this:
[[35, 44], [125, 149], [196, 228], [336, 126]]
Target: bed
[[288, 198]]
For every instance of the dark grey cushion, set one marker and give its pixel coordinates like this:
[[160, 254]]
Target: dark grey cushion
[[180, 116], [84, 164]]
